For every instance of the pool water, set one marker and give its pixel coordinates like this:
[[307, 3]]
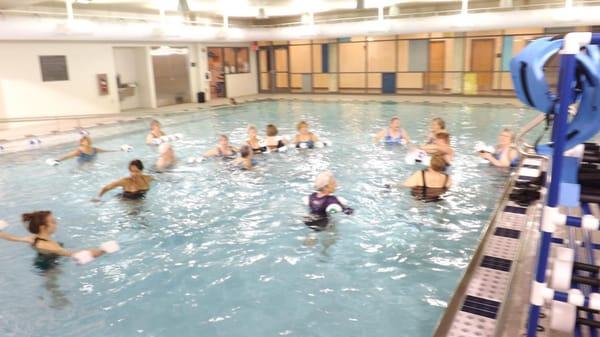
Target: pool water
[[214, 251]]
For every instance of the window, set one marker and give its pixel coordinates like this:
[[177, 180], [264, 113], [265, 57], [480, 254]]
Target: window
[[54, 68], [236, 60]]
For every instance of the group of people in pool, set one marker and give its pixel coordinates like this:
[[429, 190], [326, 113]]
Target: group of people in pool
[[427, 184]]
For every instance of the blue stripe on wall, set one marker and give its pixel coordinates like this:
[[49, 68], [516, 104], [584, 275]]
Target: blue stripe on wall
[[507, 48], [325, 58]]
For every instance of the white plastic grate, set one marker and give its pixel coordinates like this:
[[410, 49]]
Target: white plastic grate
[[488, 283], [470, 325], [502, 247]]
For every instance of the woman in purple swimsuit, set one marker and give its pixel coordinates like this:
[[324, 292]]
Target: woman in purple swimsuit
[[323, 202]]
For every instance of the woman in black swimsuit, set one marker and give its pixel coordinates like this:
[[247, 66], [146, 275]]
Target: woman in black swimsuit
[[257, 145], [42, 225], [135, 186], [430, 184]]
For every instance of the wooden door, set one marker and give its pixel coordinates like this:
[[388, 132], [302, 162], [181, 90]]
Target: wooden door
[[281, 68], [264, 68], [482, 63], [437, 60]]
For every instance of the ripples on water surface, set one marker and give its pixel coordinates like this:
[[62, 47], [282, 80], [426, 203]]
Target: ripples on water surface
[[219, 252]]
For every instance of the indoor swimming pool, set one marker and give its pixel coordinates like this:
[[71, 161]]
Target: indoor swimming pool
[[216, 251]]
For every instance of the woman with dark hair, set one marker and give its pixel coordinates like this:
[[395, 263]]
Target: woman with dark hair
[[431, 183], [42, 225], [135, 186]]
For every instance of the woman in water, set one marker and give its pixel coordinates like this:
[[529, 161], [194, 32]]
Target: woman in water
[[305, 139], [393, 134], [223, 149], [438, 125], [505, 154], [245, 160], [431, 183], [85, 152], [440, 146], [322, 202], [42, 226], [155, 132], [166, 158], [135, 186], [254, 141], [274, 142]]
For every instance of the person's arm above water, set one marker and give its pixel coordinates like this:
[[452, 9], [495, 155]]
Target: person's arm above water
[[405, 136], [430, 148], [347, 210], [8, 237], [379, 136], [111, 186], [211, 153], [69, 155], [504, 161], [414, 180], [54, 248]]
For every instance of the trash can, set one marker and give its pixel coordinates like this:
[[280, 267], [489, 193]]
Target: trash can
[[200, 97]]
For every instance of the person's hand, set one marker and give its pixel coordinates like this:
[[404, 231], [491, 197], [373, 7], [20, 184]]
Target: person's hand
[[485, 155], [348, 210]]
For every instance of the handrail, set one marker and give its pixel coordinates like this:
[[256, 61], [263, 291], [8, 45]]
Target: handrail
[[520, 142]]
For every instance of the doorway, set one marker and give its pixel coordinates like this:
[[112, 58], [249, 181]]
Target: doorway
[[280, 55], [273, 66], [171, 75], [264, 67], [482, 63], [217, 72], [437, 58]]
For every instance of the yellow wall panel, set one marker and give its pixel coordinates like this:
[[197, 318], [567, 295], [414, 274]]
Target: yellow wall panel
[[300, 59], [382, 56], [317, 60], [403, 55], [321, 80], [281, 80], [352, 57], [281, 59], [374, 81], [518, 31], [352, 81], [409, 80], [296, 81], [414, 36]]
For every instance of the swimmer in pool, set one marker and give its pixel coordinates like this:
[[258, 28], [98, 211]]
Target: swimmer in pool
[[431, 183], [438, 125], [319, 201], [155, 132], [245, 160], [135, 186], [166, 158], [304, 139], [254, 141], [441, 146], [42, 226], [85, 152], [393, 134], [505, 154], [223, 150], [273, 141]]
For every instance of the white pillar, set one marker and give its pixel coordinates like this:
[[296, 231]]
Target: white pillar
[[69, 6], [225, 21], [465, 7]]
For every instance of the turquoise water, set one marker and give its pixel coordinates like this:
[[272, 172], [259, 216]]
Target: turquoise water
[[214, 251]]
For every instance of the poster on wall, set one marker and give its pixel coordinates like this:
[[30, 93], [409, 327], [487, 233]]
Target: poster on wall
[[102, 84]]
